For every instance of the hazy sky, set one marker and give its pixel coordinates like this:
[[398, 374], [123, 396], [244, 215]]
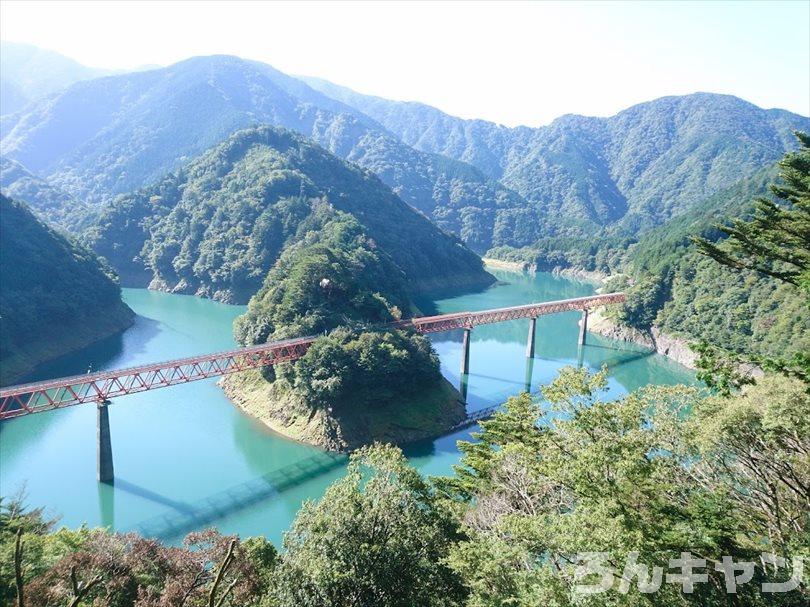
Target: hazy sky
[[521, 63]]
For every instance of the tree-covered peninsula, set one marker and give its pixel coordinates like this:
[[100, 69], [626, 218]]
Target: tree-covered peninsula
[[56, 295], [357, 383], [217, 226]]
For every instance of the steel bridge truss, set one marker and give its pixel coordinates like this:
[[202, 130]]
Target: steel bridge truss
[[468, 320], [102, 386], [16, 401]]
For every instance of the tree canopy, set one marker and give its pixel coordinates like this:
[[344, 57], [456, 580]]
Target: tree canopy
[[776, 240]]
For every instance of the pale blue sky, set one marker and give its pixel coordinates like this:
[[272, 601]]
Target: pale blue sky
[[513, 63]]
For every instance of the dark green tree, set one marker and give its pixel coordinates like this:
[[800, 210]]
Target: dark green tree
[[377, 537], [775, 241]]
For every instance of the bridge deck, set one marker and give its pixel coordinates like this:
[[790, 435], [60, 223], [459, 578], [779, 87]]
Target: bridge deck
[[97, 387]]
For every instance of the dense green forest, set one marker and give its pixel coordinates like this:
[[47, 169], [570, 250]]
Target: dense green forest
[[217, 226], [671, 286], [56, 297], [337, 275], [356, 384], [47, 201]]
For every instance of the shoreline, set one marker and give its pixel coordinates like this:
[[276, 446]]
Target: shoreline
[[524, 267], [282, 413], [674, 348]]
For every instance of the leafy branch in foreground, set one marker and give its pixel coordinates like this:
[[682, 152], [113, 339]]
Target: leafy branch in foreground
[[774, 242]]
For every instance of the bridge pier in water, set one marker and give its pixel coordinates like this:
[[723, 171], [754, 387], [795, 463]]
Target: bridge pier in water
[[583, 327], [527, 380], [530, 338], [104, 460], [463, 384], [465, 352]]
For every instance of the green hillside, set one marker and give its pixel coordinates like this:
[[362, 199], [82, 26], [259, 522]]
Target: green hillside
[[671, 286], [56, 295], [217, 226], [46, 200], [356, 384]]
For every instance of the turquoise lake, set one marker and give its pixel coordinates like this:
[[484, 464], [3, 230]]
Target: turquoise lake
[[185, 458]]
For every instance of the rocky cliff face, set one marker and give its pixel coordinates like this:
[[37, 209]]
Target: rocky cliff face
[[672, 347]]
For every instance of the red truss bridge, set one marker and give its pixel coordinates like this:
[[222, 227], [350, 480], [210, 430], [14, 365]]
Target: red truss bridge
[[100, 387]]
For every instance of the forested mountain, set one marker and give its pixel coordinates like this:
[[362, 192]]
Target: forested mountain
[[30, 73], [48, 201], [629, 172], [672, 287], [218, 225], [582, 192], [354, 386], [56, 296], [113, 135], [491, 185]]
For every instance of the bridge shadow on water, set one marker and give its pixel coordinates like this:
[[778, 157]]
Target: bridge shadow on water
[[188, 517], [619, 360], [152, 496]]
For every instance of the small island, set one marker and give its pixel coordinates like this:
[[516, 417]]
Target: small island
[[353, 389], [357, 384]]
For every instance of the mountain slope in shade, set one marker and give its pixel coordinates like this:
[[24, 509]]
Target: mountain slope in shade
[[56, 295], [113, 135], [46, 200], [633, 170], [217, 226]]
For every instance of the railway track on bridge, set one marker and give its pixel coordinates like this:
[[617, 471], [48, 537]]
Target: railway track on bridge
[[100, 387]]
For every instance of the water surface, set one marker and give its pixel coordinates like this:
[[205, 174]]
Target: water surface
[[185, 458]]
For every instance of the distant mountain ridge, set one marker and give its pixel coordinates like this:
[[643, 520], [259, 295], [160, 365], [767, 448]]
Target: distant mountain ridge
[[638, 168], [112, 135], [46, 200], [491, 185], [28, 73]]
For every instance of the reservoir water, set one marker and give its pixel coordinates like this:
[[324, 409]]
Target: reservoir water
[[185, 458]]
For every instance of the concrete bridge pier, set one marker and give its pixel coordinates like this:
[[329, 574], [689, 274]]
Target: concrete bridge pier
[[583, 327], [530, 338], [465, 352], [104, 460], [527, 380], [462, 387]]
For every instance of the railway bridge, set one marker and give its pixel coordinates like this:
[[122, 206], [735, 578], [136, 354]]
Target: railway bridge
[[100, 387]]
